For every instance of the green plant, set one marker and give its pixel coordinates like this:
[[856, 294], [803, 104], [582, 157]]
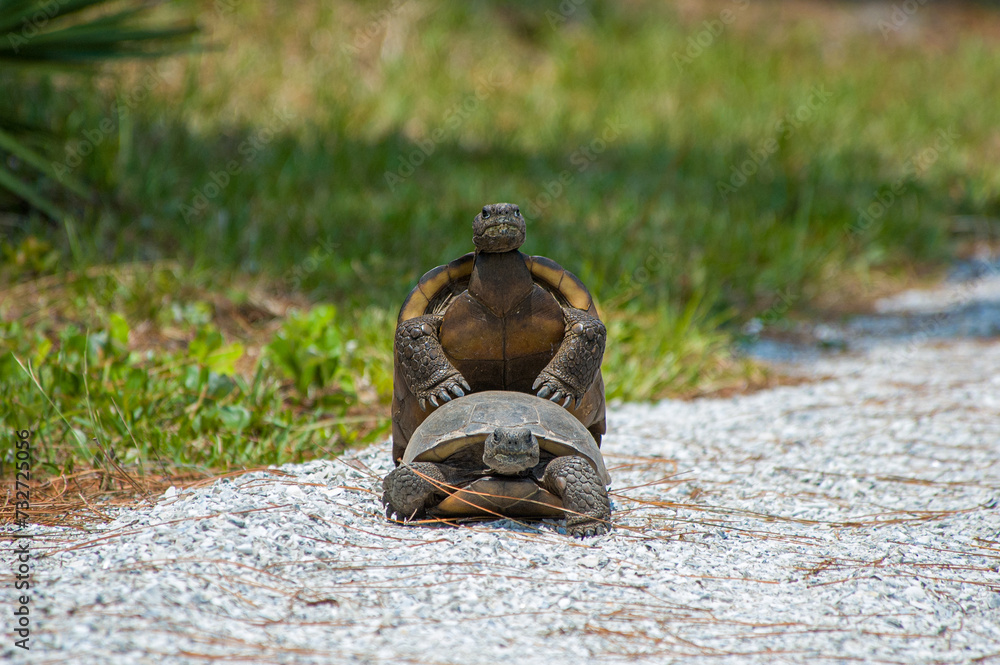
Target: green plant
[[657, 351], [312, 350], [84, 392], [32, 256]]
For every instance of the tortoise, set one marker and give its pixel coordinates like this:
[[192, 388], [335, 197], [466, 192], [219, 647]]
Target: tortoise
[[497, 319], [504, 453]]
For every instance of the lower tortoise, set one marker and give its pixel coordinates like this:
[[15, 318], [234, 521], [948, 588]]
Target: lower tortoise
[[502, 453]]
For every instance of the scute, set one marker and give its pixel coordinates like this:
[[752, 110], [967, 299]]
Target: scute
[[511, 415], [433, 281], [451, 420], [561, 281], [434, 284]]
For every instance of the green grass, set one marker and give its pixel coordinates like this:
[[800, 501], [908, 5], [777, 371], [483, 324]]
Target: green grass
[[615, 153]]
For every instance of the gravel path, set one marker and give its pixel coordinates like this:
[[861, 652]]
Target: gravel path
[[852, 518]]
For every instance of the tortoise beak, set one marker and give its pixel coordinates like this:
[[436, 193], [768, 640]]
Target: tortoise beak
[[501, 230], [503, 235]]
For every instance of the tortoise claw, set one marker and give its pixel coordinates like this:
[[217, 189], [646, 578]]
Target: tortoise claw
[[444, 392], [554, 389], [588, 531], [388, 507], [465, 384]]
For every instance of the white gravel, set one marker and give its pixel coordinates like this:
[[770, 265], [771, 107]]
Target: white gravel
[[852, 518]]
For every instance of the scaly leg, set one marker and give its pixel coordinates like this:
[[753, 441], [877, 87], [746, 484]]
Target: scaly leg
[[427, 372], [584, 497], [409, 490], [575, 366]]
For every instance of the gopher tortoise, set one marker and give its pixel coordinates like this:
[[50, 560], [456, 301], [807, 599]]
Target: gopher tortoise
[[502, 453], [497, 319]]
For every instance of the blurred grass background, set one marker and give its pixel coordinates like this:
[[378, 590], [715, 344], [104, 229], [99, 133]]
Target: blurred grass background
[[259, 209]]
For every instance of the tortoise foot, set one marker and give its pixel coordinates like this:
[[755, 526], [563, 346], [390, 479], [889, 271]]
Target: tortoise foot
[[551, 387], [426, 370], [453, 386], [584, 528], [577, 362], [410, 488], [584, 496]]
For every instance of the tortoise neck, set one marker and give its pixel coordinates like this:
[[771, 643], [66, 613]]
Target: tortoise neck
[[500, 280]]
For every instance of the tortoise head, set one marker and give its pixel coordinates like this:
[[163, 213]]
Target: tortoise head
[[498, 228], [511, 450]]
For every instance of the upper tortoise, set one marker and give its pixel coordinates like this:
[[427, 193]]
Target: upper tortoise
[[497, 319]]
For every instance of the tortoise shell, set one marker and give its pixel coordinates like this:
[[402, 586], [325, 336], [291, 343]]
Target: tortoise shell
[[497, 350], [467, 421]]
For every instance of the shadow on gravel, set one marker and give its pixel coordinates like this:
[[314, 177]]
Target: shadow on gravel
[[965, 306]]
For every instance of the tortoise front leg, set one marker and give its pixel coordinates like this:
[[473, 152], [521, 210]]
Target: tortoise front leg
[[584, 497], [409, 489], [427, 372], [575, 366]]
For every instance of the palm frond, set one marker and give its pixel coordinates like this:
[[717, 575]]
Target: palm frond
[[75, 35]]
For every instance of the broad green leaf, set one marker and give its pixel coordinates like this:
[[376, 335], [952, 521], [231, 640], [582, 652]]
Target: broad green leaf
[[42, 352], [234, 418], [118, 327], [223, 360]]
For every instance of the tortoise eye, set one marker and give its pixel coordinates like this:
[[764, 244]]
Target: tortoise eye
[[486, 213]]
